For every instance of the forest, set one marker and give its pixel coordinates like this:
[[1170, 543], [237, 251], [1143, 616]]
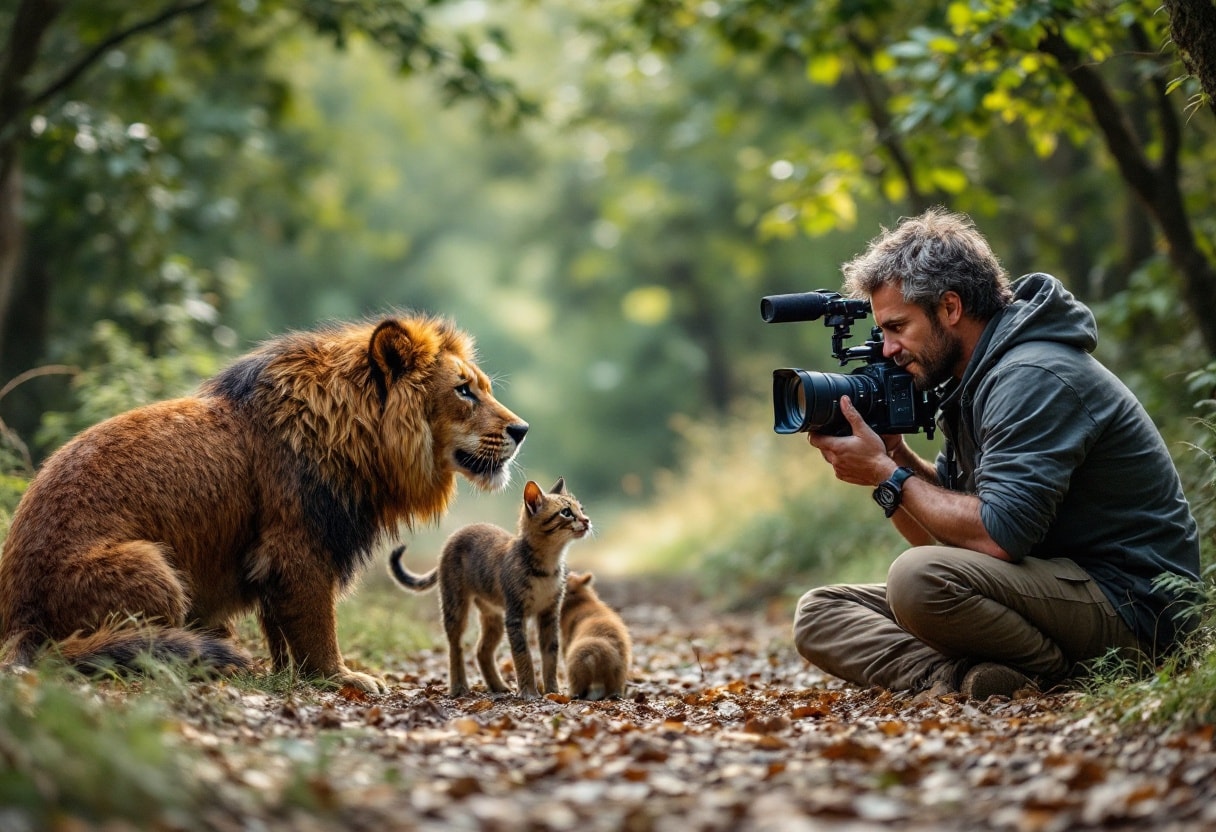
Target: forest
[[600, 193]]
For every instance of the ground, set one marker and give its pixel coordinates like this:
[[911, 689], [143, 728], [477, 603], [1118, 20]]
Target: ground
[[725, 727]]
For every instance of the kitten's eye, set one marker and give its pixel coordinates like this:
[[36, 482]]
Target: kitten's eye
[[466, 392], [567, 513]]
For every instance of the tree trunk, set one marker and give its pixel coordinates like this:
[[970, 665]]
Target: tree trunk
[[1193, 29], [1157, 186], [30, 22], [11, 240], [700, 322]]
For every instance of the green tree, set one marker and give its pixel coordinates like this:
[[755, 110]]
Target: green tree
[[931, 80], [134, 136]]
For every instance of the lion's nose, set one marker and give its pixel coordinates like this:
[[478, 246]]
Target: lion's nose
[[518, 431]]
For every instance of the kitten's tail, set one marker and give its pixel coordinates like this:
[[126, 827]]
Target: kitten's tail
[[418, 583]]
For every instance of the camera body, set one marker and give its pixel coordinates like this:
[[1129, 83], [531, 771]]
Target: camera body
[[883, 393]]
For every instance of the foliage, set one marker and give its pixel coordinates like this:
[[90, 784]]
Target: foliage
[[982, 105], [14, 476], [1181, 693], [610, 283], [65, 753], [1199, 474], [608, 254], [143, 155], [121, 375]]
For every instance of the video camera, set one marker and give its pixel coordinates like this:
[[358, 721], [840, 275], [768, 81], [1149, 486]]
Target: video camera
[[884, 394]]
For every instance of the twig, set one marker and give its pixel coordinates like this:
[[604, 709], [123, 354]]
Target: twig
[[46, 370]]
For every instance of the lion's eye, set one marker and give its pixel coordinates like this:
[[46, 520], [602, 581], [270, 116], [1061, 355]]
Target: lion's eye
[[466, 392]]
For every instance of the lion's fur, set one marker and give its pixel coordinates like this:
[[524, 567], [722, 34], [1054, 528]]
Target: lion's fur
[[267, 491]]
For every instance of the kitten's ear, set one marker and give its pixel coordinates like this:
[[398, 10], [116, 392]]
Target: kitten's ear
[[532, 497], [584, 579], [559, 487]]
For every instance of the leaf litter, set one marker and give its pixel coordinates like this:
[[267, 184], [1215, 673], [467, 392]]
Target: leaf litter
[[723, 727]]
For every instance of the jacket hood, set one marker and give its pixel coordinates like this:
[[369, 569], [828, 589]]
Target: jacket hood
[[1042, 310]]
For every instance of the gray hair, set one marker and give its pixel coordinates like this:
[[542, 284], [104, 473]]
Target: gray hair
[[929, 255]]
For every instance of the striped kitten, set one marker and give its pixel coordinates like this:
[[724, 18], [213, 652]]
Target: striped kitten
[[509, 579]]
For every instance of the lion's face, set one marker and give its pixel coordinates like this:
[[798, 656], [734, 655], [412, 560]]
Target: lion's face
[[438, 416], [477, 436]]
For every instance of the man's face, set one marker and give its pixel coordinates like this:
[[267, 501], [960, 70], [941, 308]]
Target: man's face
[[919, 342]]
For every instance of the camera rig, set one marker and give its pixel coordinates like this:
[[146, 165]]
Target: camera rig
[[884, 393]]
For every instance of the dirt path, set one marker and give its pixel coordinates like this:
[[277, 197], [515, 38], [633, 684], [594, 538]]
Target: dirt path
[[726, 728]]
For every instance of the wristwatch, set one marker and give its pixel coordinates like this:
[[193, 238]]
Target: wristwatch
[[890, 492]]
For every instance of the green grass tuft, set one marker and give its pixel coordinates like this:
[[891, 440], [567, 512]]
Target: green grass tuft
[[66, 751]]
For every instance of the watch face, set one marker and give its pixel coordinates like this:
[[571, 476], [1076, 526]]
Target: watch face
[[886, 495]]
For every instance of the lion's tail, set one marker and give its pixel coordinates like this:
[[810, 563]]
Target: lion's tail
[[418, 583], [130, 648]]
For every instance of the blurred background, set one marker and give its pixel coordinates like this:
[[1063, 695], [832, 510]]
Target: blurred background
[[600, 192]]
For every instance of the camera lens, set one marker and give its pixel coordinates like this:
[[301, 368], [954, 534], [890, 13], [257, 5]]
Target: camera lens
[[809, 401], [789, 401]]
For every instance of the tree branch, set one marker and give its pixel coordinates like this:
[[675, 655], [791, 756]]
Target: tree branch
[[881, 118], [1112, 122], [76, 70], [1167, 116]]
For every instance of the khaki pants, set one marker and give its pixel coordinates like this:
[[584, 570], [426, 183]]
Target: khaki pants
[[943, 610]]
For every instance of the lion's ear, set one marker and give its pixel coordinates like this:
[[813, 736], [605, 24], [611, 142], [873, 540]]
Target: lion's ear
[[533, 497], [397, 349], [391, 350]]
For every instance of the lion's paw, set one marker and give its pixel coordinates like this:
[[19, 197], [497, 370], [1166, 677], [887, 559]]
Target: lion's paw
[[364, 681]]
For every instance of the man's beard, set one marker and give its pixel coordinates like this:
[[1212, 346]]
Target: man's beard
[[937, 362]]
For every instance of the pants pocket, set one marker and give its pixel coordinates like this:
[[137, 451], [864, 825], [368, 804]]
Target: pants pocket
[[1079, 583]]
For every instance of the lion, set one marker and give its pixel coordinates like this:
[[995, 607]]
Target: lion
[[266, 492]]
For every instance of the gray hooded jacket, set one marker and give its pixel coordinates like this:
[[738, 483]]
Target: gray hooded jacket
[[1065, 460]]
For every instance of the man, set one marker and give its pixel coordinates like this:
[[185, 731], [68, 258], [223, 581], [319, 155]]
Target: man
[[1054, 506]]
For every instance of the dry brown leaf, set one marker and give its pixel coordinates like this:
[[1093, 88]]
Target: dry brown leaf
[[766, 724], [892, 728], [850, 749], [467, 726], [353, 694], [462, 787], [809, 712]]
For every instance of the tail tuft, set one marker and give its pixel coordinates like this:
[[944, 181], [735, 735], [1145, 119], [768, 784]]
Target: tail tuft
[[406, 578]]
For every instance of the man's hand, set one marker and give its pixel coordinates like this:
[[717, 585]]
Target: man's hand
[[860, 459]]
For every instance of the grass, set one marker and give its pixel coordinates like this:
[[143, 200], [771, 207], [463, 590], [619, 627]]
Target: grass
[[380, 622], [69, 750], [1181, 692]]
